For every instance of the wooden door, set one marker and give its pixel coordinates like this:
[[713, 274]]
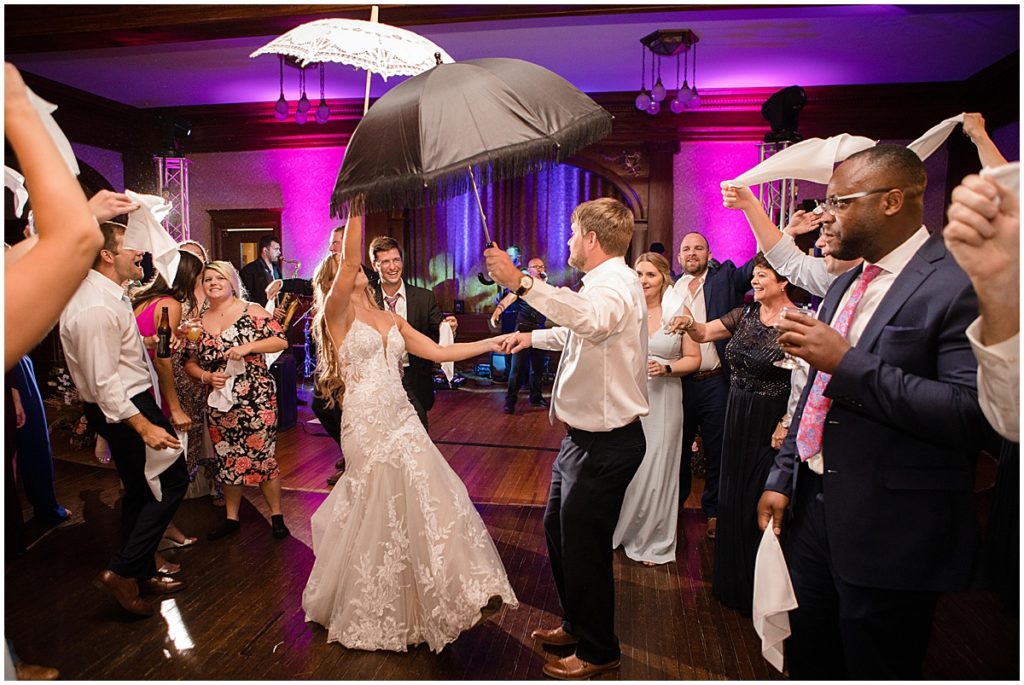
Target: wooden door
[[236, 232]]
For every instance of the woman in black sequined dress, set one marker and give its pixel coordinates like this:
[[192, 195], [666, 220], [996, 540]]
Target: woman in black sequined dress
[[757, 402]]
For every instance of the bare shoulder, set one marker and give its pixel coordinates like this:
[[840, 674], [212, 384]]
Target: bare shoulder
[[256, 311]]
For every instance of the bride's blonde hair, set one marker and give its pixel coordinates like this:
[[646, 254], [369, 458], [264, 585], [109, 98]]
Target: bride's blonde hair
[[328, 379]]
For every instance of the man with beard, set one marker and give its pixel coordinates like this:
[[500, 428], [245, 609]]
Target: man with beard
[[709, 293], [109, 365], [600, 393], [878, 462]]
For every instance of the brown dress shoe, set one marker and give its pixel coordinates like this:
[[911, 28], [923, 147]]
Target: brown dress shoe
[[553, 636], [162, 585], [574, 668], [35, 672], [125, 591]]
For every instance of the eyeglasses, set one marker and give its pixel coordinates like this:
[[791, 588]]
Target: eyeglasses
[[836, 204]]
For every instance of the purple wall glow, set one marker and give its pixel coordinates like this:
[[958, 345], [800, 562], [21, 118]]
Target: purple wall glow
[[108, 163], [299, 181]]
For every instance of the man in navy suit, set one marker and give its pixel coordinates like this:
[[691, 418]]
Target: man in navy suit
[[877, 469], [709, 292]]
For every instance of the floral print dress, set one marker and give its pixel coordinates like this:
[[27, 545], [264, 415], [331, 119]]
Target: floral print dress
[[245, 437]]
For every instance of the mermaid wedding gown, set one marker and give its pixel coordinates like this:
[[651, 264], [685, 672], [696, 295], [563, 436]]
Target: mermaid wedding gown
[[402, 556]]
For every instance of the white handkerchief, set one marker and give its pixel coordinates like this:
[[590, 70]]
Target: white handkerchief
[[158, 461], [271, 357], [773, 598], [935, 136], [446, 338], [45, 110], [222, 399], [15, 183], [808, 160], [146, 233], [1006, 175]]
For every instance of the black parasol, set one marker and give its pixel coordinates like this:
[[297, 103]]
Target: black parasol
[[500, 118]]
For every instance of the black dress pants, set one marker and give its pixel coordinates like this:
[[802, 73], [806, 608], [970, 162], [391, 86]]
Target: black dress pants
[[704, 405], [843, 631], [525, 362], [143, 519], [588, 481]]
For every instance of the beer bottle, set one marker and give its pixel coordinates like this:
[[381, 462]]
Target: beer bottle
[[163, 335]]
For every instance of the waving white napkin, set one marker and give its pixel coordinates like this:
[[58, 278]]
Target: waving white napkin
[[222, 399], [445, 338], [773, 598], [15, 183], [935, 136], [45, 110], [271, 357], [146, 233], [809, 160], [158, 461], [1006, 175]]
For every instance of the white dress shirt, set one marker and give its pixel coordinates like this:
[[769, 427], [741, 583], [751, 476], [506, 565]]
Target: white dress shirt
[[998, 381], [802, 270], [695, 302], [601, 383], [891, 264], [401, 308], [106, 357]]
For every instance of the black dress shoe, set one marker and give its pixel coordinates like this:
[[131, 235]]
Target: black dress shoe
[[229, 527], [333, 479], [540, 403], [340, 465], [508, 410], [277, 527]]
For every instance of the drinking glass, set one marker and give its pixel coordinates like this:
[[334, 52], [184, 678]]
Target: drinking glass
[[788, 361], [193, 332]]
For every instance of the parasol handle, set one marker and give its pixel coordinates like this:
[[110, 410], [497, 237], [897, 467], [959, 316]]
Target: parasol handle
[[480, 206], [366, 96]]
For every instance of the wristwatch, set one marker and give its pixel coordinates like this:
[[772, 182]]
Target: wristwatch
[[525, 283], [668, 370]]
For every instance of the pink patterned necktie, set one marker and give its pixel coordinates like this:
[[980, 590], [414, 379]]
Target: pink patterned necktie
[[391, 302], [809, 436]]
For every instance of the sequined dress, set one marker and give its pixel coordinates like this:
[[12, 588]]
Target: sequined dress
[[402, 556], [757, 400]]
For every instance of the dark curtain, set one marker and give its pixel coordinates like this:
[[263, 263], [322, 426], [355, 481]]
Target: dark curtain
[[444, 243]]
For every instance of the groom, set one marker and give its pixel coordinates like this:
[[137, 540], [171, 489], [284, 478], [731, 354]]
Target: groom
[[600, 393]]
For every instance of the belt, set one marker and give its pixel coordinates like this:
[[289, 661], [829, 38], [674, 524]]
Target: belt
[[704, 375]]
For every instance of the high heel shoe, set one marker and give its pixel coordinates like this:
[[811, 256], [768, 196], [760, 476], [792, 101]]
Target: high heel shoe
[[189, 540], [277, 527]]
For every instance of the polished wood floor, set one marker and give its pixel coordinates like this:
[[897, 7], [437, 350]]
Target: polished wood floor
[[241, 617]]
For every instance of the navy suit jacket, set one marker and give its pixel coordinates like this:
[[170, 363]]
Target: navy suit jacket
[[724, 289], [900, 436]]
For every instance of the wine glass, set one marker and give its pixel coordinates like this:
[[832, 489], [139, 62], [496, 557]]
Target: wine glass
[[193, 332], [788, 361]]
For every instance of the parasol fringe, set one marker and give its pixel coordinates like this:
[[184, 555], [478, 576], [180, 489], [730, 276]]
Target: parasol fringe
[[501, 164]]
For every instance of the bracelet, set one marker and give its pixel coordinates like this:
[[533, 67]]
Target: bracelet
[[689, 325], [202, 377]]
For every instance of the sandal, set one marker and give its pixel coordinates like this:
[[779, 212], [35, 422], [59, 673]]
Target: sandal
[[189, 540], [169, 568]]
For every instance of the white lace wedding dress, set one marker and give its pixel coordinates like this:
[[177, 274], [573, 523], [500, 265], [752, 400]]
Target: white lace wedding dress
[[402, 556]]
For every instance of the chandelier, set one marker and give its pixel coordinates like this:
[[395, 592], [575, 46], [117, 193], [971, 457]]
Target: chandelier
[[303, 106], [666, 43]]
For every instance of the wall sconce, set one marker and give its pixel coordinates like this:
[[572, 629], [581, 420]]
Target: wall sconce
[[666, 43]]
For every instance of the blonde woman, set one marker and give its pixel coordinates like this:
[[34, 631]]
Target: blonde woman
[[650, 510], [245, 435], [402, 556]]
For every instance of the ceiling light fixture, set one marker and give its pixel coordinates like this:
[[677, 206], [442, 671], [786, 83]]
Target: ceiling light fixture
[[665, 43]]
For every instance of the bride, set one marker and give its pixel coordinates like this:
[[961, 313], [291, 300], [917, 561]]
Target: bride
[[402, 556]]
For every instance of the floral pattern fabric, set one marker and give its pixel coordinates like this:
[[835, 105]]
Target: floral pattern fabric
[[245, 437], [402, 556]]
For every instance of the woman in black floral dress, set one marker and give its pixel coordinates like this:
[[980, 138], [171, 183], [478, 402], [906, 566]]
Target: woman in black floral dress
[[758, 392], [245, 435]]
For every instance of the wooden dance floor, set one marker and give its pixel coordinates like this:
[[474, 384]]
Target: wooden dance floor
[[240, 617]]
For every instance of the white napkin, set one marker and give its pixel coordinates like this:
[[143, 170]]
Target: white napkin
[[222, 399], [15, 183], [773, 598], [271, 357], [45, 110], [935, 136], [808, 160], [158, 461], [146, 233], [446, 338], [1006, 175]]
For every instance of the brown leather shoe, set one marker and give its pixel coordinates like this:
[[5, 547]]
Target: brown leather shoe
[[574, 668], [35, 672], [125, 591], [712, 527], [162, 585], [553, 636]]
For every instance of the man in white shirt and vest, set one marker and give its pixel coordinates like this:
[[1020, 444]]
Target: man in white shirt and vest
[[600, 392], [108, 362], [877, 470]]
